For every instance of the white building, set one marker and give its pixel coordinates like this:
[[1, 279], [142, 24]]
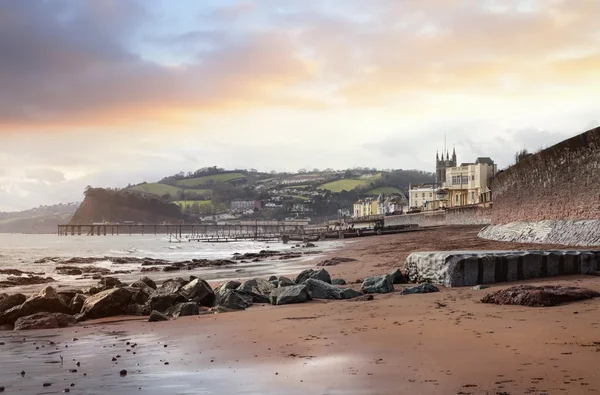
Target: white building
[[420, 195], [469, 183]]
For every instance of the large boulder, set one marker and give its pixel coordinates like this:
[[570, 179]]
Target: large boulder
[[338, 281], [148, 281], [234, 299], [106, 303], [172, 285], [77, 303], [321, 290], [420, 289], [45, 321], [349, 293], [398, 277], [161, 302], [183, 309], [10, 301], [199, 291], [539, 296], [138, 295], [231, 284], [156, 316], [320, 274], [137, 309], [292, 294], [284, 282], [46, 301], [258, 288], [143, 286], [379, 284]]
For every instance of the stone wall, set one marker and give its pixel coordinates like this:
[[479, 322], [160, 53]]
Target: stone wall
[[467, 215], [559, 183], [550, 197], [468, 268]]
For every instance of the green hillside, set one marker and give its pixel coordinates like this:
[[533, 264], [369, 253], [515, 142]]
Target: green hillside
[[349, 184], [384, 190], [157, 189], [217, 178], [183, 203]]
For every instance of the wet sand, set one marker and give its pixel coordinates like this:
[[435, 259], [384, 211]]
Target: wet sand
[[440, 343]]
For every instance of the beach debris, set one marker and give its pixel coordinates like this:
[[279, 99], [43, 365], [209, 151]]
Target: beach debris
[[234, 299], [291, 294], [378, 284], [338, 281], [424, 288], [335, 261], [539, 296], [398, 277], [259, 289], [320, 274], [156, 316]]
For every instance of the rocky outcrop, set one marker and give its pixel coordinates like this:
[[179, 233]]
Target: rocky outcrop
[[46, 301], [321, 290], [320, 274], [106, 303], [539, 296], [378, 284], [233, 299], [156, 316], [10, 301], [20, 281], [419, 289], [44, 321], [198, 291], [291, 294], [259, 289]]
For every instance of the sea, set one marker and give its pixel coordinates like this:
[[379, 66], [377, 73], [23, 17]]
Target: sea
[[20, 251]]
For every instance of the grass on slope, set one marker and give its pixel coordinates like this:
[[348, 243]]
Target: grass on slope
[[156, 189], [344, 185], [384, 190], [217, 178], [183, 203]]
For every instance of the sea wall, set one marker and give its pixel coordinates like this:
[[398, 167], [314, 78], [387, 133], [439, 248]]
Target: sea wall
[[467, 215], [468, 268], [552, 196]]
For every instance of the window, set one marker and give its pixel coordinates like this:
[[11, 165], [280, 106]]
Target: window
[[465, 180], [423, 195], [472, 178], [456, 198], [430, 194], [473, 196]]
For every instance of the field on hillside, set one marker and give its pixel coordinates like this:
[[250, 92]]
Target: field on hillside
[[348, 184], [183, 203], [157, 189], [217, 178], [384, 190]]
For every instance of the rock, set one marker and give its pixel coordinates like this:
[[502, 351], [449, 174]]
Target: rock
[[234, 299], [398, 277], [183, 309], [30, 280], [199, 291], [479, 287], [231, 284], [46, 301], [362, 298], [161, 302], [172, 285], [258, 288], [44, 321], [379, 284], [420, 289], [148, 281], [284, 282], [338, 281], [93, 290], [321, 290], [106, 303], [335, 261], [272, 278], [291, 294], [309, 245], [139, 295], [156, 316], [10, 301], [137, 310], [220, 309], [77, 303], [349, 293], [148, 290], [539, 296], [109, 282], [275, 283], [320, 274]]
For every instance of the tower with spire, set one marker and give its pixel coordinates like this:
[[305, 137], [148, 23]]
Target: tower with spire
[[442, 163]]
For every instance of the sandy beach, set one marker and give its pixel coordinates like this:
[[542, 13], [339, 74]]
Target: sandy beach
[[439, 343]]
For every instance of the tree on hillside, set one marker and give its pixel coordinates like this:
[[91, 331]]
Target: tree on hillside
[[522, 154], [348, 174]]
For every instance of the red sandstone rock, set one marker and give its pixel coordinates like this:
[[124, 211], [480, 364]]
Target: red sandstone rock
[[542, 296]]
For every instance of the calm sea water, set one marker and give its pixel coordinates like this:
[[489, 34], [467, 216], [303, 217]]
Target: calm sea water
[[20, 251]]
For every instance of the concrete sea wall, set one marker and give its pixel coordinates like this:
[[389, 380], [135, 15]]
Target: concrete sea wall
[[468, 268], [468, 215], [552, 196]]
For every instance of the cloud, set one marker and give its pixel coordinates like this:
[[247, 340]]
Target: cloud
[[47, 175]]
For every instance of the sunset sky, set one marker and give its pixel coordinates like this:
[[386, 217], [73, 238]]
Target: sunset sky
[[112, 92]]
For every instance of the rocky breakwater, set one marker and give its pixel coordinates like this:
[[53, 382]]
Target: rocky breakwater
[[468, 268]]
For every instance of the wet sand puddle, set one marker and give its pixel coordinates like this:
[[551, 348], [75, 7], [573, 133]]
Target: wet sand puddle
[[93, 363]]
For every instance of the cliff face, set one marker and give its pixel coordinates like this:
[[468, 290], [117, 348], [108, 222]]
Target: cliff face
[[101, 205]]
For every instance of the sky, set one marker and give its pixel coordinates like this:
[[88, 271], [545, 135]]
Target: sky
[[112, 92]]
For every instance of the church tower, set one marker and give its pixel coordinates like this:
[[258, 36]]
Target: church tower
[[441, 164]]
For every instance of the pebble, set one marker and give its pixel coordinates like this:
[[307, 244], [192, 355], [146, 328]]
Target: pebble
[[73, 370], [2, 343], [22, 373], [123, 372], [113, 359], [165, 346], [47, 384], [1, 389], [78, 364], [72, 385], [166, 363], [66, 390]]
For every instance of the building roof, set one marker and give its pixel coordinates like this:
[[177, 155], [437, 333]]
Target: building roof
[[484, 159]]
